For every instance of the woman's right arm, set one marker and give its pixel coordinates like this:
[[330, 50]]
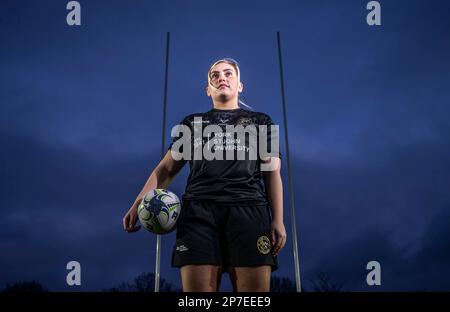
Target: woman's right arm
[[161, 177]]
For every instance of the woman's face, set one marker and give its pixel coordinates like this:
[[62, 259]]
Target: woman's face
[[224, 83]]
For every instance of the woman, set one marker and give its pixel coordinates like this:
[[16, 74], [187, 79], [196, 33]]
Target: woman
[[232, 212]]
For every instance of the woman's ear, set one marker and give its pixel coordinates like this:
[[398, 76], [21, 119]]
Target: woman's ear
[[241, 87], [208, 93]]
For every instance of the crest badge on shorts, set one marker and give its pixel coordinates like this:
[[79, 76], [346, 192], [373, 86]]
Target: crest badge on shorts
[[263, 245]]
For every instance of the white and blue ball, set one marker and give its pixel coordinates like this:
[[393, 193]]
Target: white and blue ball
[[159, 210]]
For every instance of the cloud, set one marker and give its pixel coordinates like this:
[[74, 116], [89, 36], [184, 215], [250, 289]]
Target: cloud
[[80, 133], [58, 207], [425, 270], [388, 206]]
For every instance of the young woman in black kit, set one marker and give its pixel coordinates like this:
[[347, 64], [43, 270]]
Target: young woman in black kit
[[232, 211]]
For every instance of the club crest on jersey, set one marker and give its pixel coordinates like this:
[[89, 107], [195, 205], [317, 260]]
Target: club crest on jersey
[[244, 121], [263, 244]]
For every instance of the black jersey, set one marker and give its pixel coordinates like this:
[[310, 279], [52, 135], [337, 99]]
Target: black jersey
[[225, 179]]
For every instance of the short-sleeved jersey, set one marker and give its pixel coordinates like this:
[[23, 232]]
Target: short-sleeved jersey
[[226, 179]]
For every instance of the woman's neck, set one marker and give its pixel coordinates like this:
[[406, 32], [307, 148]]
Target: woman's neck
[[231, 104]]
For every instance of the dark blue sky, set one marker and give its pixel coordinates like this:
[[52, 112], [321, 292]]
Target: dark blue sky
[[368, 107]]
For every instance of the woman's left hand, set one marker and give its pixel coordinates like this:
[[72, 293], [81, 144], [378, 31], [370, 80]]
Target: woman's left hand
[[278, 233]]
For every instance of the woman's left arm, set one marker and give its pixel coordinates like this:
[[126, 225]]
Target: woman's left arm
[[274, 189]]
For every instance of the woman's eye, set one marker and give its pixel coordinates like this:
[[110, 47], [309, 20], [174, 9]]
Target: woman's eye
[[228, 74]]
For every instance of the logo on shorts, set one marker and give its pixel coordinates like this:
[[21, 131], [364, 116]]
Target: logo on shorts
[[181, 248], [263, 245]]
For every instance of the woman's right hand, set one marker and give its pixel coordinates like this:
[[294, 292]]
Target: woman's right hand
[[131, 217]]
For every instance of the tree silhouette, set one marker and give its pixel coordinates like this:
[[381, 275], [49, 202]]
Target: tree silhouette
[[282, 284], [144, 283], [25, 286], [323, 283]]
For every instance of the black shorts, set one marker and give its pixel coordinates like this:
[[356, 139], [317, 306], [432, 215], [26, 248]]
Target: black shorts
[[224, 235]]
